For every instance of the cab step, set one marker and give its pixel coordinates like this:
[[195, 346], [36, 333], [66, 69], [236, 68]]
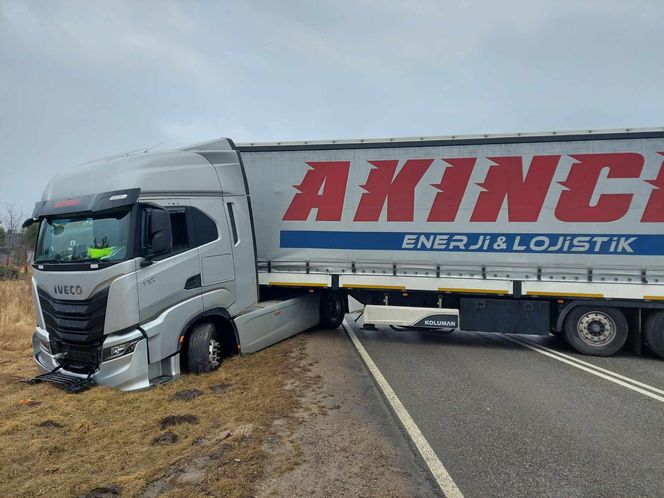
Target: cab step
[[162, 379], [71, 385]]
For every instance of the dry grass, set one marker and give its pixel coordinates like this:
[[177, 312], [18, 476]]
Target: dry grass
[[103, 437], [16, 315]]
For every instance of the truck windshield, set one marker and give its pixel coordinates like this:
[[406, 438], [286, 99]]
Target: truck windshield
[[103, 237]]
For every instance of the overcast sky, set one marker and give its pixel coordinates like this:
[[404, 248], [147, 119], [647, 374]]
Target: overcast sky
[[85, 79]]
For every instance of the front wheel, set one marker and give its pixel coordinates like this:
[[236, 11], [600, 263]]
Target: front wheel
[[203, 349], [332, 310], [596, 331]]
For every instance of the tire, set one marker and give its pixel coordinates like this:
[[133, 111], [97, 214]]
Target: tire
[[654, 330], [596, 331], [203, 349], [332, 310]]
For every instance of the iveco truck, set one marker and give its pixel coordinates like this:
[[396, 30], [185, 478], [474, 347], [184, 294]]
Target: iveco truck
[[152, 264]]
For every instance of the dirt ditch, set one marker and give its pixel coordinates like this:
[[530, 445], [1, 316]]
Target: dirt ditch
[[208, 430]]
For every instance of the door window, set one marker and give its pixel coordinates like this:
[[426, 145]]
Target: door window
[[180, 231], [190, 228], [205, 229]]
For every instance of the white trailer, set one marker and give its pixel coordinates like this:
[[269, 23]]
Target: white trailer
[[218, 247]]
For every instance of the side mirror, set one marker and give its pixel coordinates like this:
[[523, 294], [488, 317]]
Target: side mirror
[[28, 222], [160, 237]]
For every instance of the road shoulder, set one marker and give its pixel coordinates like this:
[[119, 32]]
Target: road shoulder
[[348, 442]]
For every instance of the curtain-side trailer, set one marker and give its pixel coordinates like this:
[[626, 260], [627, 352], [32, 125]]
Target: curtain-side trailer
[[152, 262]]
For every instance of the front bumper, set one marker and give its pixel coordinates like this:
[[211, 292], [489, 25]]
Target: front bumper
[[127, 373]]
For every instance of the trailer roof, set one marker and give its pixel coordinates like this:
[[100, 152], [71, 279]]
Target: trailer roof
[[484, 138]]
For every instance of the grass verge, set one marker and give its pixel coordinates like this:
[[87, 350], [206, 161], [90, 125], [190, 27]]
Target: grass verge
[[55, 444]]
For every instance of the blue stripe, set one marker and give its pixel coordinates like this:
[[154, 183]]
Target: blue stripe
[[547, 243]]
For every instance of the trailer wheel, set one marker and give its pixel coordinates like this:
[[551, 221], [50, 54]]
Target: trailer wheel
[[655, 333], [203, 349], [332, 310], [596, 331]]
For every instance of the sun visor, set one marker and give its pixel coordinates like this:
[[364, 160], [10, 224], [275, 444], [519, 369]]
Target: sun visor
[[92, 203]]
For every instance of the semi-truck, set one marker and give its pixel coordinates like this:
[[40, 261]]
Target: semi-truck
[[154, 263]]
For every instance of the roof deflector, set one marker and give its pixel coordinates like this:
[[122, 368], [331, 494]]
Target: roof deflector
[[213, 145]]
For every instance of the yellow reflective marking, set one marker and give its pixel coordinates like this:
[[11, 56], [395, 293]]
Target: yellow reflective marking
[[297, 284], [473, 291], [370, 286], [563, 294]]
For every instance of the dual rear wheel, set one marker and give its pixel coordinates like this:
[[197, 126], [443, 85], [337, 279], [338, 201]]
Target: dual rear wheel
[[600, 331], [654, 331], [603, 331]]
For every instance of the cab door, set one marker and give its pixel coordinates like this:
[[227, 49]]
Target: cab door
[[214, 242], [169, 289]]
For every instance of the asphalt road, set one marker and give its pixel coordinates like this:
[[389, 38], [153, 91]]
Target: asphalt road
[[508, 421]]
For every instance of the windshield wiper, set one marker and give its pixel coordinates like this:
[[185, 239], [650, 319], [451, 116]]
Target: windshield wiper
[[47, 261], [90, 260]]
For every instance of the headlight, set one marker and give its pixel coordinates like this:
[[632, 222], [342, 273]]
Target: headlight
[[119, 350]]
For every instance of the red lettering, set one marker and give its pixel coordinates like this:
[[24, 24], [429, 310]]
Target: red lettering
[[654, 211], [323, 188], [505, 181], [452, 187], [398, 191], [574, 204]]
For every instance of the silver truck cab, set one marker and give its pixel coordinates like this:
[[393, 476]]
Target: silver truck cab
[[145, 265]]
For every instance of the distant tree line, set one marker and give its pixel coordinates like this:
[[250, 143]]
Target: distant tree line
[[17, 244]]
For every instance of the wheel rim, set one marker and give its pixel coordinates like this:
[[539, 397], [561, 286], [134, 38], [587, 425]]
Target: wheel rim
[[214, 353], [596, 329]]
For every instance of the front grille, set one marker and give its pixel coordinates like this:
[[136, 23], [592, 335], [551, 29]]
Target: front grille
[[75, 328]]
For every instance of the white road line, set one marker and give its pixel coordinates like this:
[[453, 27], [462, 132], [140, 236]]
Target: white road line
[[438, 470], [592, 371], [595, 367]]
